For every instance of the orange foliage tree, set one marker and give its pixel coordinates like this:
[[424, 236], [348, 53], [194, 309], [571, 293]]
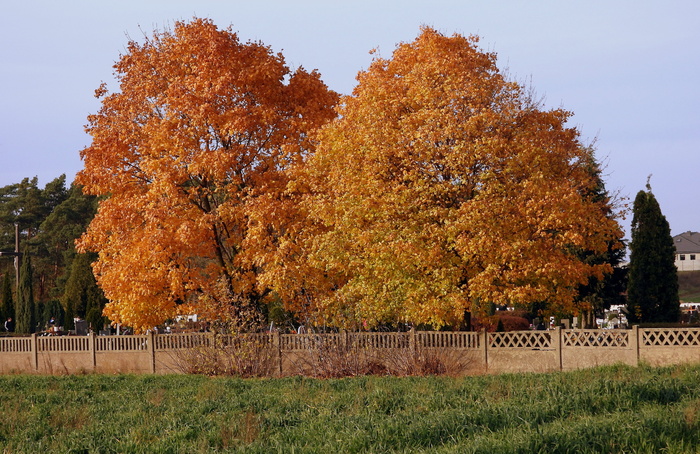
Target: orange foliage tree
[[190, 155], [442, 187]]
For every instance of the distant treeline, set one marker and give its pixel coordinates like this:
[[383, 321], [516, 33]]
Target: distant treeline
[[48, 221]]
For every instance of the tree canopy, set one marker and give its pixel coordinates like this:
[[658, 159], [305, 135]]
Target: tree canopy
[[48, 220], [191, 152], [443, 187]]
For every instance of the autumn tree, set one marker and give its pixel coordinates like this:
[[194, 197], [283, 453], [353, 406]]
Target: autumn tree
[[191, 152], [652, 289], [443, 187]]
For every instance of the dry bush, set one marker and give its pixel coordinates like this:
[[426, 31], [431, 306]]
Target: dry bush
[[327, 357], [238, 351], [240, 355], [427, 361]]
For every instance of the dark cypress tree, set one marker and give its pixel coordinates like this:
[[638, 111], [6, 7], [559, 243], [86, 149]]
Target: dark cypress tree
[[7, 305], [652, 288], [26, 317], [51, 309], [82, 297]]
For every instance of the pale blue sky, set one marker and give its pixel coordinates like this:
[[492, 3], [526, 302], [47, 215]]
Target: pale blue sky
[[627, 69]]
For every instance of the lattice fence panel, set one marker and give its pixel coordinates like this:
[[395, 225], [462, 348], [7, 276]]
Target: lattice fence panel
[[520, 339], [595, 338], [660, 337]]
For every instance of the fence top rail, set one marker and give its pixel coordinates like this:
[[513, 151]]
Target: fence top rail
[[596, 338], [666, 337], [529, 339], [15, 344], [690, 329], [532, 340], [596, 330]]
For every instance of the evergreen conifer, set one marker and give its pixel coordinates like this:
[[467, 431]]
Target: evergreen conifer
[[26, 318], [652, 288], [7, 306]]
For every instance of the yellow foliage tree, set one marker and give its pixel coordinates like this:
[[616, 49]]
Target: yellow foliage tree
[[443, 187], [191, 154]]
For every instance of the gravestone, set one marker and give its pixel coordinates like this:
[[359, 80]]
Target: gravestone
[[81, 327]]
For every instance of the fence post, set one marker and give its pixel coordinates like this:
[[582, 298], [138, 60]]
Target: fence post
[[92, 349], [151, 346], [211, 339], [485, 348], [635, 341], [35, 352], [278, 350], [557, 343], [412, 339]]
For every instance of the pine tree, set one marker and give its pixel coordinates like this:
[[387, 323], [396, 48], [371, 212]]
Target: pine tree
[[57, 235], [652, 289], [27, 205], [26, 318]]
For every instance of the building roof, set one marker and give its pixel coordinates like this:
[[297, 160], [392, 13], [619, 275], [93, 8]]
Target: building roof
[[687, 243]]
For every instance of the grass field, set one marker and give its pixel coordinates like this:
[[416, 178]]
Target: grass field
[[689, 286], [612, 409]]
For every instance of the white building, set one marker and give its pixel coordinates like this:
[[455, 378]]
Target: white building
[[687, 251]]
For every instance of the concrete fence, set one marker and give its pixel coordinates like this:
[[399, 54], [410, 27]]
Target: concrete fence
[[518, 351]]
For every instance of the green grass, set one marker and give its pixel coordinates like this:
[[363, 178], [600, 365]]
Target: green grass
[[689, 286], [693, 298], [612, 409]]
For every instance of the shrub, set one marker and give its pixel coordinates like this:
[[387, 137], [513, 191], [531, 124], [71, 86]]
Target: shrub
[[328, 357], [427, 361], [511, 321], [234, 355], [514, 322]]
